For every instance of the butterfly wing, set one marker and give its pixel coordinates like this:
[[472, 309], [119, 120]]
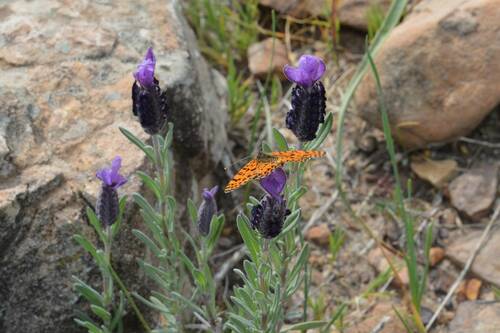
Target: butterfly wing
[[297, 155], [255, 169]]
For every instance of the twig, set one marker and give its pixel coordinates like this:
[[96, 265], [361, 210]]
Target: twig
[[320, 212], [468, 264], [228, 265], [381, 324], [479, 142]]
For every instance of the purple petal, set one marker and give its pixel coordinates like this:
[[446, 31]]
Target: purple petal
[[111, 176], [146, 69], [274, 183], [309, 70], [210, 194]]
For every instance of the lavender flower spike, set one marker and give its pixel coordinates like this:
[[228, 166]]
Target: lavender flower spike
[[107, 207], [145, 72], [269, 214], [309, 70], [274, 183], [308, 97], [149, 103], [207, 210]]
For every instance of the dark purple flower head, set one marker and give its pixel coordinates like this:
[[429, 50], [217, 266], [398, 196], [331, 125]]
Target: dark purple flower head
[[111, 176], [107, 207], [274, 183], [149, 103], [145, 72], [309, 70], [207, 210], [269, 215], [308, 97]]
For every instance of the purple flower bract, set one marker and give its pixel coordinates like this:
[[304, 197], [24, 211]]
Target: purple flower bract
[[274, 183], [309, 70], [111, 176], [145, 72]]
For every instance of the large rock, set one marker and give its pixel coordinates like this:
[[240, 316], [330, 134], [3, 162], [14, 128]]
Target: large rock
[[474, 192], [439, 71], [297, 8], [487, 263], [476, 317], [66, 75], [355, 13]]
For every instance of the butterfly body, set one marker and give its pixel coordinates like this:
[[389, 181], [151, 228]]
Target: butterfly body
[[264, 164]]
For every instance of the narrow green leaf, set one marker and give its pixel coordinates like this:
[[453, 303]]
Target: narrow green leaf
[[101, 312], [147, 241], [94, 221], [249, 238], [150, 183], [216, 227], [308, 325], [280, 140], [88, 325], [148, 150], [193, 211], [88, 292]]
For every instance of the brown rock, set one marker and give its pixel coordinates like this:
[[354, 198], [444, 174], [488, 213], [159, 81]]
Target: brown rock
[[435, 172], [436, 254], [297, 8], [473, 192], [438, 74], [476, 317], [379, 262], [65, 77], [472, 289], [319, 234], [382, 316], [487, 263], [261, 54], [354, 13]]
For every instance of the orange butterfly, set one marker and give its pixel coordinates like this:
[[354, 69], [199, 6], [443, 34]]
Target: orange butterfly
[[264, 164]]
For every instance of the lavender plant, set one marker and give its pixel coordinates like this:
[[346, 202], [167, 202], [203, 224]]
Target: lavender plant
[[278, 255], [107, 307], [186, 288]]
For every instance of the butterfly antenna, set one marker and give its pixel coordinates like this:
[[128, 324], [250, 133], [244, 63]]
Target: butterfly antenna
[[237, 161]]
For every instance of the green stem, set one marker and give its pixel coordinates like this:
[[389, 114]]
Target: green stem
[[130, 299]]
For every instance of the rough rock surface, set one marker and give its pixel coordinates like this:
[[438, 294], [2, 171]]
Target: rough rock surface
[[476, 317], [65, 88], [473, 192], [261, 54], [297, 8], [439, 71], [486, 266], [382, 318], [354, 13]]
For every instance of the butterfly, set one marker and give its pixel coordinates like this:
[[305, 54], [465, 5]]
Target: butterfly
[[266, 163]]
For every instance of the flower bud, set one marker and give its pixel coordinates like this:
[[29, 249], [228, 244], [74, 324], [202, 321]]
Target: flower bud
[[207, 210], [107, 207], [269, 215]]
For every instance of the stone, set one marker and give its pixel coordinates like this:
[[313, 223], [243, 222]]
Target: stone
[[486, 265], [476, 317], [319, 234], [383, 317], [473, 192], [378, 260], [438, 70], [437, 173], [436, 255], [65, 88], [472, 289], [297, 8], [261, 54], [355, 13]]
